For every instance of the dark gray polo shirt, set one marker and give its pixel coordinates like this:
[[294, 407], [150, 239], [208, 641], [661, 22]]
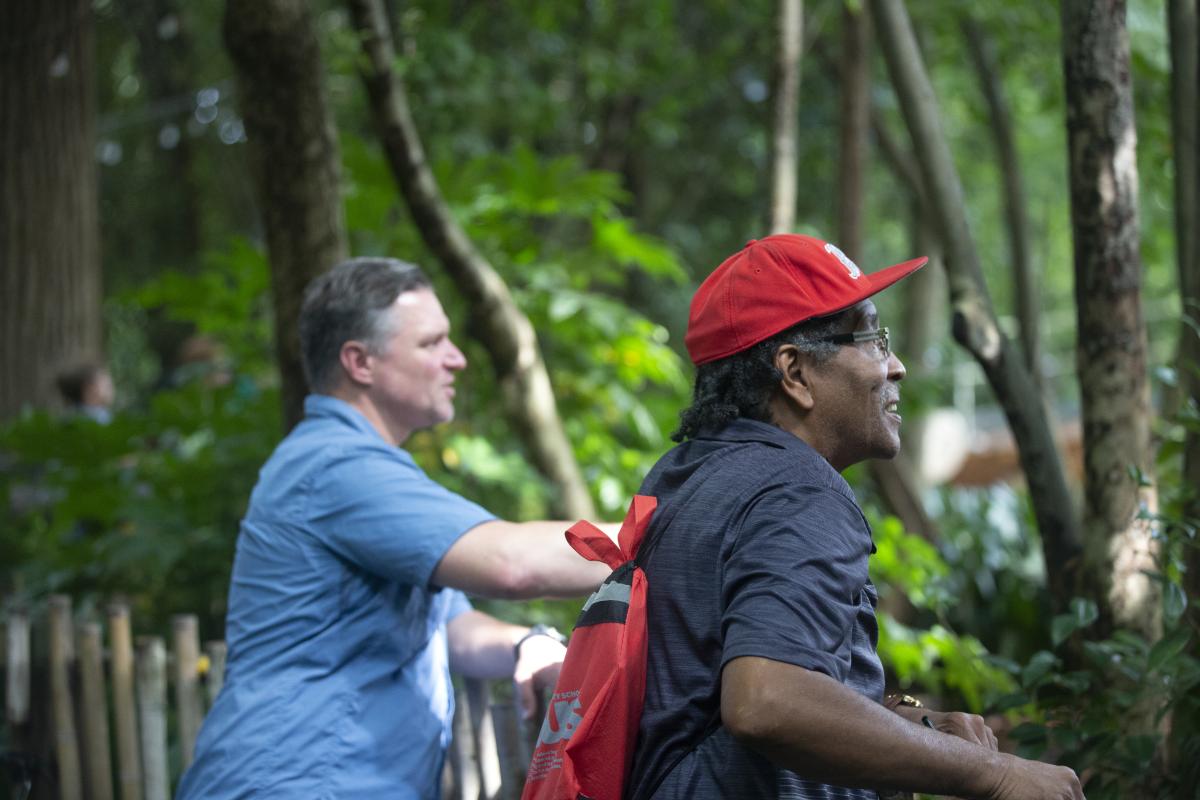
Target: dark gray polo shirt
[[762, 551]]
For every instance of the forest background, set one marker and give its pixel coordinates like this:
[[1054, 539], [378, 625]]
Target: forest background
[[567, 173]]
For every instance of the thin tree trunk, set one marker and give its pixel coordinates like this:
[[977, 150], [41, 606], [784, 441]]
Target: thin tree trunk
[[787, 99], [1111, 351], [974, 320], [50, 286], [294, 150], [855, 104], [892, 478], [1024, 280], [1185, 120], [496, 321]]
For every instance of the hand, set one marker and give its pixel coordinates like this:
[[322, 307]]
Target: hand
[[536, 670], [1034, 780], [971, 727]]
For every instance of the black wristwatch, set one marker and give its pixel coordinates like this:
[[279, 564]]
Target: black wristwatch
[[537, 630]]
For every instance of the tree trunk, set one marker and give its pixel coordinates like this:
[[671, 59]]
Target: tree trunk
[[893, 479], [974, 320], [1185, 108], [1024, 280], [50, 286], [294, 151], [496, 321], [1111, 351], [787, 99]]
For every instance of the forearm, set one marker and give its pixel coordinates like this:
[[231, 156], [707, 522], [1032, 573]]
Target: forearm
[[809, 722], [481, 646]]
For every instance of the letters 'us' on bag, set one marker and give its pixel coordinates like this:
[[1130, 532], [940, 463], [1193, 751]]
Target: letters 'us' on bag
[[585, 748]]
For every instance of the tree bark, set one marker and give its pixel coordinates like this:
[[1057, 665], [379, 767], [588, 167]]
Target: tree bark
[[294, 152], [1024, 280], [787, 99], [1111, 351], [974, 321], [50, 284], [496, 321]]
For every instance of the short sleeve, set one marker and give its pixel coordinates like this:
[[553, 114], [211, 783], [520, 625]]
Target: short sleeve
[[793, 580], [380, 511]]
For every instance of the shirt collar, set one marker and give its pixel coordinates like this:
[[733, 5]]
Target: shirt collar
[[324, 406], [749, 430]]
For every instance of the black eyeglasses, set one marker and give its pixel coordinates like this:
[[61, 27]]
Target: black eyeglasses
[[881, 335]]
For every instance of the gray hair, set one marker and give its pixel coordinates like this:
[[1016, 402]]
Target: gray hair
[[351, 303]]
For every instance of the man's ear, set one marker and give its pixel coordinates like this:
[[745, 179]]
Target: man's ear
[[357, 363], [796, 367]]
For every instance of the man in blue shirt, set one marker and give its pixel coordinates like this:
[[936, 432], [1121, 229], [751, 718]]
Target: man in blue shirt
[[762, 678], [346, 606]]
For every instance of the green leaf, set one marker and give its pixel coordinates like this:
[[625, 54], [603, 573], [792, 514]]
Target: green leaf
[[1037, 669], [1083, 613], [1174, 601], [1167, 648]]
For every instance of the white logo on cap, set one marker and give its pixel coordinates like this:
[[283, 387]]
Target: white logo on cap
[[850, 266]]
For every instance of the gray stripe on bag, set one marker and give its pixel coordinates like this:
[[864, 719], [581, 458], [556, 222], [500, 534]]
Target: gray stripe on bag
[[618, 592]]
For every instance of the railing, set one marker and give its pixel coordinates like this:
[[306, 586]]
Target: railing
[[63, 683]]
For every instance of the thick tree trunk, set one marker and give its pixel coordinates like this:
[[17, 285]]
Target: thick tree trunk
[[787, 100], [294, 150], [974, 320], [49, 236], [1111, 351], [1024, 280], [495, 319]]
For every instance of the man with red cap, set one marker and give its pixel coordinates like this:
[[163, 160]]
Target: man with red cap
[[762, 676]]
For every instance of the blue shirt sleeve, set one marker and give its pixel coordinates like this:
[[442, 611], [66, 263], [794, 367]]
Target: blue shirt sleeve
[[380, 511], [794, 578]]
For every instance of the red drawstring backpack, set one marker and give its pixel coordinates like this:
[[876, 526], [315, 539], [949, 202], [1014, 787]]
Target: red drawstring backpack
[[585, 748]]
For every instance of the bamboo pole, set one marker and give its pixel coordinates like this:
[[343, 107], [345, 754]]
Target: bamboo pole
[[129, 764], [97, 757], [18, 685], [152, 716], [66, 745], [215, 679], [185, 629]]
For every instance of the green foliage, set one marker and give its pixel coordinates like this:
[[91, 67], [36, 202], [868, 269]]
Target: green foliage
[[932, 656], [1105, 706]]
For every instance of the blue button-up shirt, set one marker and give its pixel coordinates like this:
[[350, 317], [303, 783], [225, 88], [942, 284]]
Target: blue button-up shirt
[[337, 682]]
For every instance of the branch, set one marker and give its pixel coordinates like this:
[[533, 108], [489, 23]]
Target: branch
[[497, 323]]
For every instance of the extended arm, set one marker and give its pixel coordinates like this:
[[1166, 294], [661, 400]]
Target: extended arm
[[806, 721], [519, 560], [481, 646]]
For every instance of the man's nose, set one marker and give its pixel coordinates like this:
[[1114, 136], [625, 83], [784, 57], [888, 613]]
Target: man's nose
[[896, 370], [455, 359]]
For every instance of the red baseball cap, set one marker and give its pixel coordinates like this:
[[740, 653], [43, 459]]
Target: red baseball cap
[[772, 284]]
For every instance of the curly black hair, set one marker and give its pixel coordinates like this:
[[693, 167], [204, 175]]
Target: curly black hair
[[741, 385]]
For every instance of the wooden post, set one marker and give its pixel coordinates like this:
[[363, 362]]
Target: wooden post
[[129, 762], [483, 732], [509, 748], [216, 652], [152, 716], [185, 629], [66, 745], [18, 685], [464, 761], [97, 755]]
